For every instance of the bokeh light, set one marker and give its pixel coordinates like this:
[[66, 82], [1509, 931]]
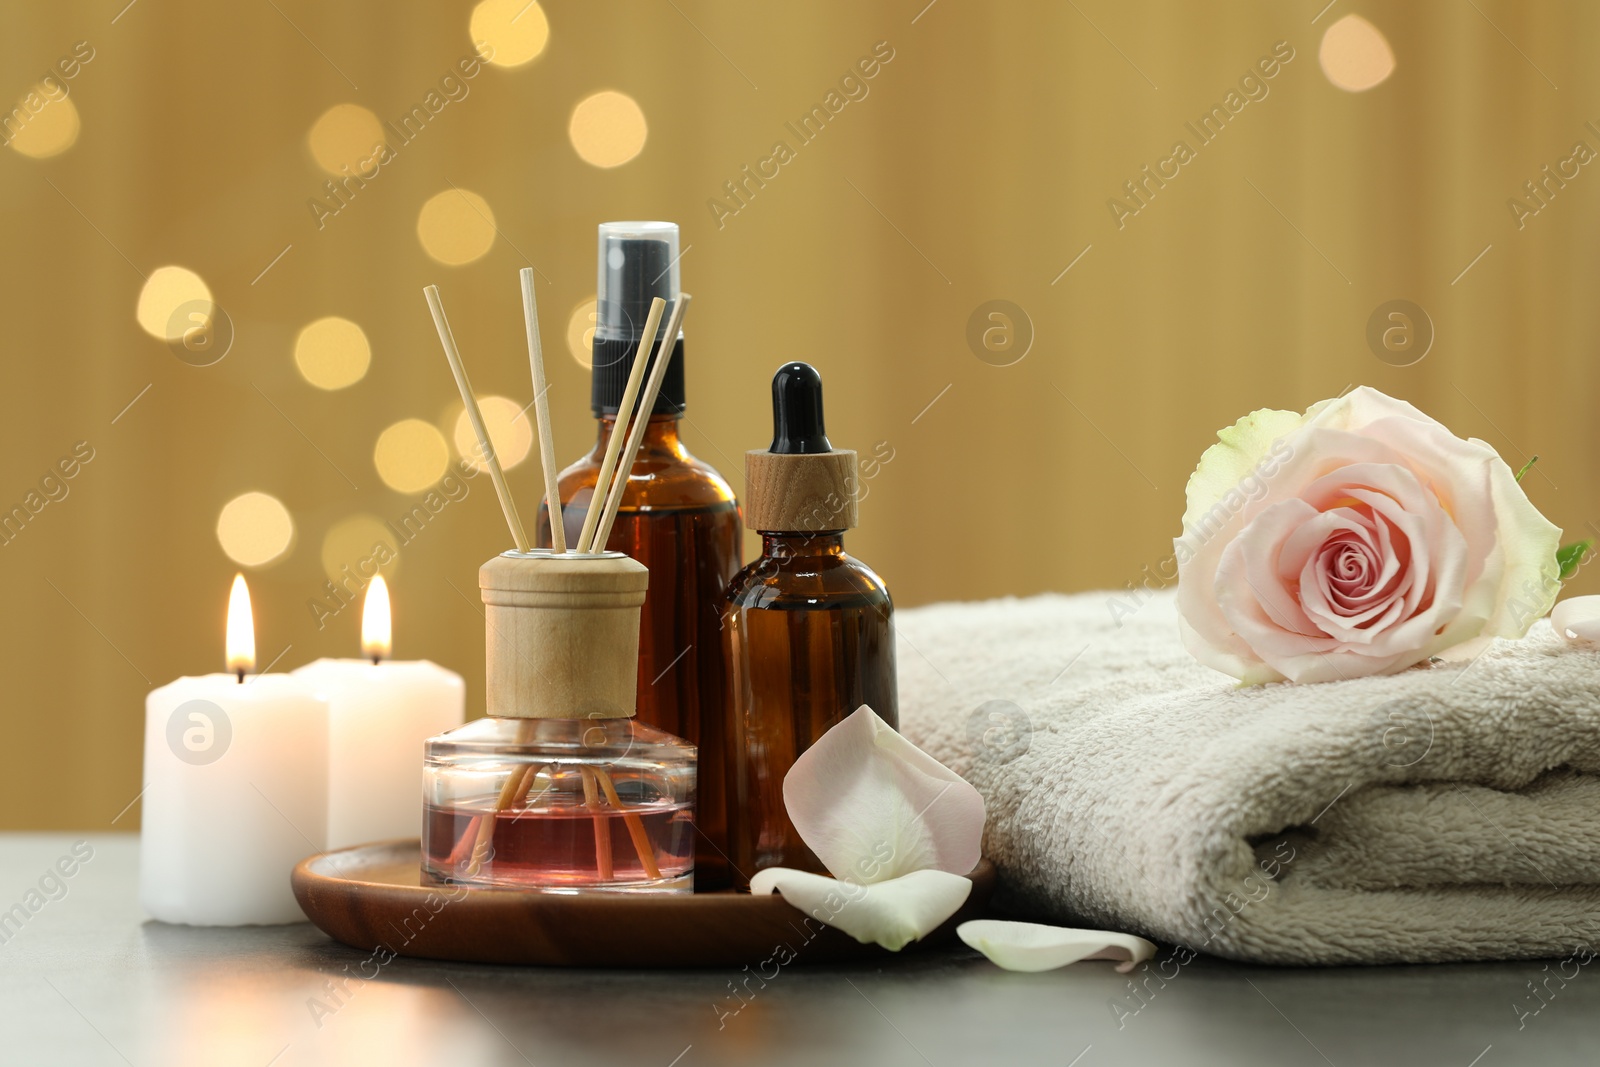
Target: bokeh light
[[166, 291], [1355, 55], [607, 129], [411, 456], [332, 353], [509, 429], [254, 529], [456, 227], [346, 135], [580, 332], [50, 126], [516, 30], [353, 542]]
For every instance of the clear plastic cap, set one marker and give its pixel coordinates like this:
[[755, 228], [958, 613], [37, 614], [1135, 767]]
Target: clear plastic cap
[[638, 262]]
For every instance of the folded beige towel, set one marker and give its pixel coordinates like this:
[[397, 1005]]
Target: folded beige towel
[[1447, 813]]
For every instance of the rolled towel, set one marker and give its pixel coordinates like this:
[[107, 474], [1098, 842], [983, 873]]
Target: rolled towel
[[1450, 812]]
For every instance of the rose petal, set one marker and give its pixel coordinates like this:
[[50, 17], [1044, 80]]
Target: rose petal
[[1526, 552], [1577, 618], [873, 806], [1361, 407], [1224, 489], [1239, 450], [1034, 947], [892, 913]]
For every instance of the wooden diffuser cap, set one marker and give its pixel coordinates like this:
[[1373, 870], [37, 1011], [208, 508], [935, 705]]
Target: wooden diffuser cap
[[800, 492], [562, 634]]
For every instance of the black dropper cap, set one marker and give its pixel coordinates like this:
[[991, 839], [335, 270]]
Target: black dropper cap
[[638, 261], [802, 484], [797, 427]]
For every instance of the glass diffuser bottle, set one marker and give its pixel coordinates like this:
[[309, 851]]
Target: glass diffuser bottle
[[678, 517], [808, 629], [559, 787]]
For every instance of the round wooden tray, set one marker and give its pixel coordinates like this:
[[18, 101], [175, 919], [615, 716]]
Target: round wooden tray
[[372, 897]]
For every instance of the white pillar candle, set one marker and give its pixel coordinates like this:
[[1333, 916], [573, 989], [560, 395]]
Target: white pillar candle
[[381, 711], [235, 772], [380, 714]]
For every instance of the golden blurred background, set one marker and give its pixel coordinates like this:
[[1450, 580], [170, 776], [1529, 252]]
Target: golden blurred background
[[165, 159]]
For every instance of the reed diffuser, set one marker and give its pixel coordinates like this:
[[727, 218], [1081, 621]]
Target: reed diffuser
[[558, 787]]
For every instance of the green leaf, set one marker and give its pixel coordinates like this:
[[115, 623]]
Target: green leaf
[[1526, 467], [1570, 557]]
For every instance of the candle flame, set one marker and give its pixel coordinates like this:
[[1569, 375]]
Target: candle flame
[[376, 627], [241, 639]]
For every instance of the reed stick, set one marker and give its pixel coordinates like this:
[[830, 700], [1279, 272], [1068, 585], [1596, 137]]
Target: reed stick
[[641, 420], [517, 783], [541, 408], [602, 828], [608, 465], [490, 460], [641, 840]]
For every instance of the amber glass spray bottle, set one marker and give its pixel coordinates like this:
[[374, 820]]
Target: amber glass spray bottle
[[678, 517], [809, 630]]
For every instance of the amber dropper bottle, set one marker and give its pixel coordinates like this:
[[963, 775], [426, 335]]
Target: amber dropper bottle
[[809, 629], [678, 517]]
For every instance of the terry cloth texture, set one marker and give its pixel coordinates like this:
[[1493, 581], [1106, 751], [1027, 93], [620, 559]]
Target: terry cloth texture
[[1449, 812]]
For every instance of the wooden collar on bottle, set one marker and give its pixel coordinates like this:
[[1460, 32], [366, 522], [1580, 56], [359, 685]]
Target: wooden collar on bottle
[[787, 492], [562, 634]]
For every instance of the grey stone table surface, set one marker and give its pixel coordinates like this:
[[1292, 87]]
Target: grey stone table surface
[[86, 979]]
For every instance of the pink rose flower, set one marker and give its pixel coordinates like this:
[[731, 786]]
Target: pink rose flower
[[1359, 538]]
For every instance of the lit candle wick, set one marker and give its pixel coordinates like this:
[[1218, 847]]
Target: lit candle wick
[[240, 644], [376, 639]]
